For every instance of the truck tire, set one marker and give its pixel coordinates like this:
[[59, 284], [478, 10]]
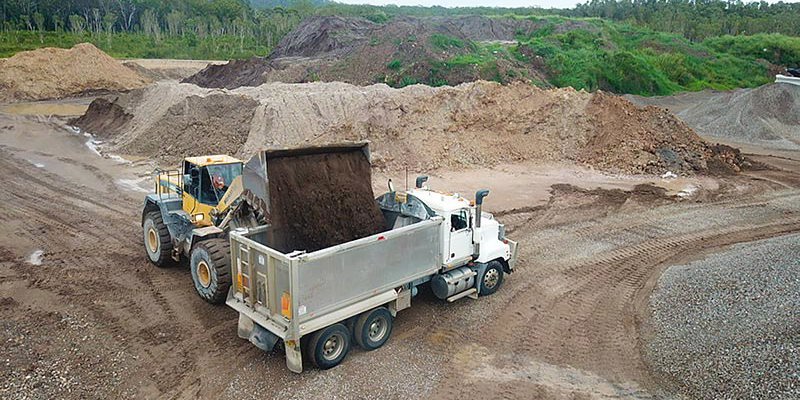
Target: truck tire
[[157, 241], [329, 346], [492, 278], [210, 264], [373, 328]]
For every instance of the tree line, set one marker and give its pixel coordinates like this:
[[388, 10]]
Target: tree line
[[155, 18], [698, 19], [267, 21]]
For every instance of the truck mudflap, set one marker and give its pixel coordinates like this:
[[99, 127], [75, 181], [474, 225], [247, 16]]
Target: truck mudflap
[[258, 336], [512, 261]]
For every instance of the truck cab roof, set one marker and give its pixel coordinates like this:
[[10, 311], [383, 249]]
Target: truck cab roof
[[442, 202]]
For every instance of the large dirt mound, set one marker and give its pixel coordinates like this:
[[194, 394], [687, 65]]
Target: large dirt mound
[[768, 115], [417, 127], [357, 51], [51, 73]]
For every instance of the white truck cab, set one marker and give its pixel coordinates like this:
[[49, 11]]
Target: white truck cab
[[466, 237]]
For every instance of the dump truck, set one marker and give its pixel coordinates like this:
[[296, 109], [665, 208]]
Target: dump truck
[[317, 304], [295, 241]]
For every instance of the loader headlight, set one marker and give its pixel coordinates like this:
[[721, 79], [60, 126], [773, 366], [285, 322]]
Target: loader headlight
[[198, 217]]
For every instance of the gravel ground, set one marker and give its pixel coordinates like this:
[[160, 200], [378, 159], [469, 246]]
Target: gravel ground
[[727, 326]]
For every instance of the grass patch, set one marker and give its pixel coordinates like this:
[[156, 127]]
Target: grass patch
[[134, 45]]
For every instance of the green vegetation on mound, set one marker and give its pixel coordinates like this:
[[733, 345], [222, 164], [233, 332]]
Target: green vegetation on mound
[[626, 59], [595, 54]]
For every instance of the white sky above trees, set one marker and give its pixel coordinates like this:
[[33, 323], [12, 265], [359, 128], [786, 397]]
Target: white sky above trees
[[489, 3]]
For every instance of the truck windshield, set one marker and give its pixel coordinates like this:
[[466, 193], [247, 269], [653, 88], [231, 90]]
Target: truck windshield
[[215, 181]]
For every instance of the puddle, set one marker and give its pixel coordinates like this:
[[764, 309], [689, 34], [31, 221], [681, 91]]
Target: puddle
[[132, 184], [57, 109]]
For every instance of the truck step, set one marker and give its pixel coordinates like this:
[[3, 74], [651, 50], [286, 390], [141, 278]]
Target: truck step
[[471, 292]]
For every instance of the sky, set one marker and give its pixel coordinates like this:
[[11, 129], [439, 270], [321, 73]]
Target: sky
[[495, 3]]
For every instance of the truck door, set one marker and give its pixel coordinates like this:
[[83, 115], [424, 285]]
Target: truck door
[[460, 236]]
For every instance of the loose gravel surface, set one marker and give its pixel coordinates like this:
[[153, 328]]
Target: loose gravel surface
[[727, 326]]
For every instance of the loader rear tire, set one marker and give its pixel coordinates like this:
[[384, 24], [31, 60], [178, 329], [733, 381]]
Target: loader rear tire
[[210, 263], [157, 241]]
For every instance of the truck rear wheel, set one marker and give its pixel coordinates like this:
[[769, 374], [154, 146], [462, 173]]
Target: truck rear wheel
[[492, 278], [157, 241], [329, 346], [211, 269], [373, 328]]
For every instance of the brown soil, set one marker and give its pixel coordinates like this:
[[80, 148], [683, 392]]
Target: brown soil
[[357, 51], [321, 200], [97, 320], [51, 73], [420, 128]]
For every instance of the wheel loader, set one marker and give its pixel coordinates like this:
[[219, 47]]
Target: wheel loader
[[192, 210]]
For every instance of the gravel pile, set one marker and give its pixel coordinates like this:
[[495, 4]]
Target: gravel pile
[[727, 326]]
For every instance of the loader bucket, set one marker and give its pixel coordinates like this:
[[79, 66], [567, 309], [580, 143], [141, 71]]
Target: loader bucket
[[315, 197]]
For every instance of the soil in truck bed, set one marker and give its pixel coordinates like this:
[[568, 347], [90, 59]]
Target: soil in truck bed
[[321, 200]]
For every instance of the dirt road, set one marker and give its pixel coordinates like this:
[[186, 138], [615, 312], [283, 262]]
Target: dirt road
[[93, 318]]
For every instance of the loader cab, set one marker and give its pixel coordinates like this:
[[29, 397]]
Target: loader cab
[[206, 179]]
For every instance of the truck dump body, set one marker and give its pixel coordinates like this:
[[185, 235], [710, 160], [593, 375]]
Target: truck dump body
[[294, 294], [316, 197]]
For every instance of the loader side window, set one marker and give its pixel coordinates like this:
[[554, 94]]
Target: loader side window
[[190, 186]]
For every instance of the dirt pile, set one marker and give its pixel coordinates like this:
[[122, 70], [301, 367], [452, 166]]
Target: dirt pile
[[417, 127], [321, 200], [768, 115], [357, 51], [51, 73]]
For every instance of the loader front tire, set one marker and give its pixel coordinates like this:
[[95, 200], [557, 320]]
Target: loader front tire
[[210, 263], [157, 241]]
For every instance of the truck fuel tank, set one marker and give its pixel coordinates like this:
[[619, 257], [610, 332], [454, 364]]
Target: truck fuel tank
[[453, 282]]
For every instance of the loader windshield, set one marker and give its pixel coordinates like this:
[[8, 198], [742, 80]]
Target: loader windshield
[[215, 181]]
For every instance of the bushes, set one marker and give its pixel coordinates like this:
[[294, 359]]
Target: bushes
[[627, 59], [775, 48]]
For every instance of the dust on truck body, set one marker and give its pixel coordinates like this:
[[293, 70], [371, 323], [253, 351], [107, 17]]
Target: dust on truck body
[[318, 303]]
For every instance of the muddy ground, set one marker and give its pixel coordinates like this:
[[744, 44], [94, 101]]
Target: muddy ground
[[90, 317]]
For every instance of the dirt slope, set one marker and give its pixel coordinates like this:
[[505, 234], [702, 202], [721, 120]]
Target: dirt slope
[[768, 115], [96, 320], [51, 73], [354, 50], [417, 127]]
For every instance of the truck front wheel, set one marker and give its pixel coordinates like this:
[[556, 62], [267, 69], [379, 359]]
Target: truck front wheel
[[492, 278], [329, 346], [211, 269], [372, 328]]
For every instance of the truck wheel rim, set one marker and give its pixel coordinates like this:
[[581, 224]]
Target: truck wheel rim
[[377, 329], [152, 240], [333, 347], [204, 274], [491, 278]]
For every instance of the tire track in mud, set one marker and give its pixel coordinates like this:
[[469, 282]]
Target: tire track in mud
[[584, 313]]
